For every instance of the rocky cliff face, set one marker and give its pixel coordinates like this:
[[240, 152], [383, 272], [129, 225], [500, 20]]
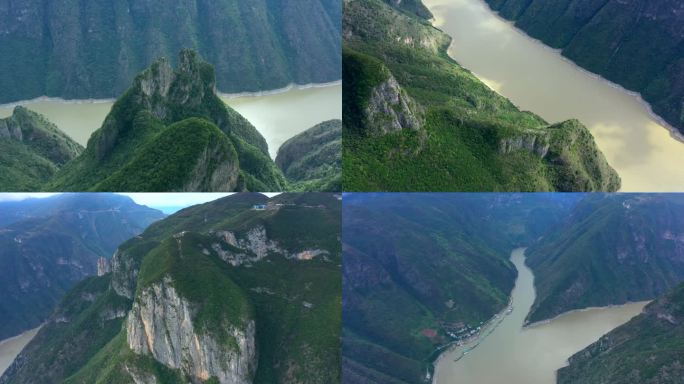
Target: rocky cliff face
[[173, 311], [93, 49], [161, 325], [390, 109], [533, 142], [636, 43], [254, 246]]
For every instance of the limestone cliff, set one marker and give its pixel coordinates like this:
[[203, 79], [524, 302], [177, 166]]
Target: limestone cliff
[[218, 293], [390, 109], [255, 245], [161, 324]]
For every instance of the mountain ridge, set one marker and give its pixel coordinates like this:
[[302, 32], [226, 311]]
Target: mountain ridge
[[93, 49]]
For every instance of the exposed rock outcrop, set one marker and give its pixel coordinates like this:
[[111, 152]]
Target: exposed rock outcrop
[[537, 143], [390, 109], [124, 275], [161, 325], [254, 246], [103, 266]]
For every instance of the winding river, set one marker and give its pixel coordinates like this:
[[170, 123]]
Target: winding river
[[277, 115], [10, 348], [515, 355], [536, 78]]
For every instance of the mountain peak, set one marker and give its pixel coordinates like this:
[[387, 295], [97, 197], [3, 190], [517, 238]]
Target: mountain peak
[[161, 88]]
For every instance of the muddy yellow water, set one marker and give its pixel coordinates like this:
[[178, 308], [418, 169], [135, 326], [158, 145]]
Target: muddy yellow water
[[512, 354], [9, 349], [277, 116], [539, 79]]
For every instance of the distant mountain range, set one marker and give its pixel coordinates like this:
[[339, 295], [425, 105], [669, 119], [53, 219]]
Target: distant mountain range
[[243, 289], [86, 49], [414, 120], [48, 245], [638, 44]]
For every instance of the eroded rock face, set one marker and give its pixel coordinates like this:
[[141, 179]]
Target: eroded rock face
[[215, 170], [390, 109], [125, 275], [255, 246], [537, 144], [161, 325]]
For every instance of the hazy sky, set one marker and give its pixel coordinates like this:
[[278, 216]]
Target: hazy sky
[[154, 200]]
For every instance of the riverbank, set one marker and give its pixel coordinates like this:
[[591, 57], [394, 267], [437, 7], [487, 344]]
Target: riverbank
[[277, 114], [290, 87], [462, 348], [674, 132], [524, 354], [540, 323], [10, 348], [637, 143]]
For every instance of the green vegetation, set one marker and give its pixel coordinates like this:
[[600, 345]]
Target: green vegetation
[[296, 304], [62, 237], [649, 59], [415, 120], [93, 49], [74, 334], [417, 266], [312, 160], [191, 146], [32, 150], [648, 349], [171, 132], [613, 249]]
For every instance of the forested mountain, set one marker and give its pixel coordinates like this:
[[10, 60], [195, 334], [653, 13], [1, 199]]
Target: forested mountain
[[244, 289], [32, 150], [648, 349], [638, 44], [613, 249], [80, 49], [171, 132], [312, 160], [48, 245], [414, 120], [416, 264]]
